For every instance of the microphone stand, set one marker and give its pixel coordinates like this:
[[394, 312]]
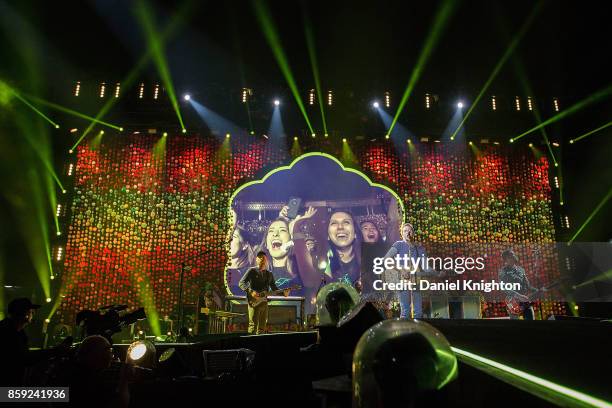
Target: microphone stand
[[183, 332]]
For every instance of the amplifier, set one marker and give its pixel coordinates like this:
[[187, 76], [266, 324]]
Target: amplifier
[[277, 314]]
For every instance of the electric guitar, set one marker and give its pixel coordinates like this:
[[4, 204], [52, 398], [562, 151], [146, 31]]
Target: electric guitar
[[263, 296], [513, 303]]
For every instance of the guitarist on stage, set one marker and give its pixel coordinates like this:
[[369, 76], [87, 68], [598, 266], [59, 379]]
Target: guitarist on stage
[[255, 281], [511, 272]]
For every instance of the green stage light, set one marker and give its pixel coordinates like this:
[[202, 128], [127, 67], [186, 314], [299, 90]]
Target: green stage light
[[596, 97], [591, 132], [515, 41], [178, 18], [155, 44], [272, 37], [29, 105], [445, 11], [71, 112], [590, 217], [314, 65], [548, 390]]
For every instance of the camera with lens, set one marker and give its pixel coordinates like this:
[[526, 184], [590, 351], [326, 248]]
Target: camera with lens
[[107, 320]]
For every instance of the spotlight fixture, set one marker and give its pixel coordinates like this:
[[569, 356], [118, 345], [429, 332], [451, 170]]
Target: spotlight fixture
[[409, 141], [313, 135], [47, 321], [77, 88], [252, 132], [530, 144], [57, 126], [376, 105], [48, 300], [187, 97], [387, 136], [184, 130], [344, 140], [330, 98], [571, 141], [470, 143], [227, 135], [311, 97], [326, 135], [165, 134], [58, 233], [387, 99], [460, 105], [276, 102], [295, 138], [142, 353]]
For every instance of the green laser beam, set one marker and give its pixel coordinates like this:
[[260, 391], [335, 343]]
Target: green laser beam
[[271, 35], [607, 275], [72, 112], [597, 96], [156, 45], [595, 211], [314, 65], [29, 105], [528, 382], [443, 15], [591, 132], [513, 44], [127, 82]]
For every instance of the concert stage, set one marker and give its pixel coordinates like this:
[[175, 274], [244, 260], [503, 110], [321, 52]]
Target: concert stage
[[569, 353]]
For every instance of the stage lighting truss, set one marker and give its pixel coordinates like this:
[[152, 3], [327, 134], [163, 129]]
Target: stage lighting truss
[[517, 103], [77, 88], [493, 103], [387, 99], [141, 90], [311, 97], [102, 89], [156, 91], [330, 98]]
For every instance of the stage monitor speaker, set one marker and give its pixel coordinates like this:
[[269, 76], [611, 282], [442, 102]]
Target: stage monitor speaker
[[228, 362]]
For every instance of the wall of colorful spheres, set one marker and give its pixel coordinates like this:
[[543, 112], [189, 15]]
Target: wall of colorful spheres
[[138, 211]]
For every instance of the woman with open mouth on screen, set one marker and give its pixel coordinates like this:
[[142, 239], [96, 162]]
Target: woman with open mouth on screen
[[344, 248], [278, 244]]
